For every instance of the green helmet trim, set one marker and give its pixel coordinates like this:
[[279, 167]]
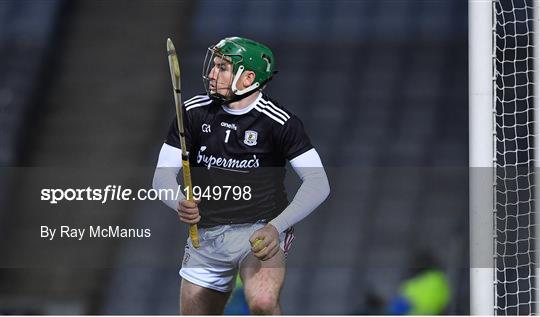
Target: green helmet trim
[[249, 55]]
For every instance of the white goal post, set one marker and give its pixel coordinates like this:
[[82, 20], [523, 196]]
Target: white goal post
[[503, 154], [481, 156]]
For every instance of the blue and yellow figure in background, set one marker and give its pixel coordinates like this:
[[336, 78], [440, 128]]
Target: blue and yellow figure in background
[[427, 293], [237, 304]]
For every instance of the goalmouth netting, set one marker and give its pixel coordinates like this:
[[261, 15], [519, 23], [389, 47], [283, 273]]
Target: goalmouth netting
[[502, 90], [514, 157]]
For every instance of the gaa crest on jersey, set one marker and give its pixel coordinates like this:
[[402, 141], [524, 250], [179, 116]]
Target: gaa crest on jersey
[[250, 137]]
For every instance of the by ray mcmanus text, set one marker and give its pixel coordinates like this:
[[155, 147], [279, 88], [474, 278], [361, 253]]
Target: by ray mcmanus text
[[92, 232]]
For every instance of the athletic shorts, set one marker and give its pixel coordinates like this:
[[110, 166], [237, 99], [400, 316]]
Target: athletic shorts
[[222, 249]]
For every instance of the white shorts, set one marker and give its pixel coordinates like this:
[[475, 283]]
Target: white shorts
[[222, 249]]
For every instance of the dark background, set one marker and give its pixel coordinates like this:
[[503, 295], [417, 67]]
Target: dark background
[[85, 99]]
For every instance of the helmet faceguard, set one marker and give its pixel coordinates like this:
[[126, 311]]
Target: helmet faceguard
[[241, 54]]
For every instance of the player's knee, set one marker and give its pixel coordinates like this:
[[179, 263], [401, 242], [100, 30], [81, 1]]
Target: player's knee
[[263, 304]]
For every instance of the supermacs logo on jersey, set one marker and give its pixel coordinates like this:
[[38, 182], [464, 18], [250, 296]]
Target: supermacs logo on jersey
[[220, 162]]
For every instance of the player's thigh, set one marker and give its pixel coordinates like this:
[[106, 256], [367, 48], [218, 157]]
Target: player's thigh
[[197, 300], [263, 279]]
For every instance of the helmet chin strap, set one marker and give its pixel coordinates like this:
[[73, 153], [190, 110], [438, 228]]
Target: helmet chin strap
[[235, 80], [238, 94], [234, 98], [222, 100]]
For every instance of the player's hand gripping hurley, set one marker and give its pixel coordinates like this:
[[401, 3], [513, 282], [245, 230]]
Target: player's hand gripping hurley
[[175, 76]]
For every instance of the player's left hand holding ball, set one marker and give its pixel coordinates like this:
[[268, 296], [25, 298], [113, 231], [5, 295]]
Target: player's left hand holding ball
[[265, 242]]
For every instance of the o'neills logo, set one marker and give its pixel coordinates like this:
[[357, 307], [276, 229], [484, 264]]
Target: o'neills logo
[[211, 160]]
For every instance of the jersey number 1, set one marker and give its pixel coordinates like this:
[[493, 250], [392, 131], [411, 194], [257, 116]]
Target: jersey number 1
[[227, 133]]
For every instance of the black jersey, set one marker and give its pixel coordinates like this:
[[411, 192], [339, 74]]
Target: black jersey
[[248, 149]]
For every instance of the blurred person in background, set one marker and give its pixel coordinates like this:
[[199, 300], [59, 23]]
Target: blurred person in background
[[238, 136], [426, 292]]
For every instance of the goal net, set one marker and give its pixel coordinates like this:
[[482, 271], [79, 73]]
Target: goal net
[[513, 118]]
